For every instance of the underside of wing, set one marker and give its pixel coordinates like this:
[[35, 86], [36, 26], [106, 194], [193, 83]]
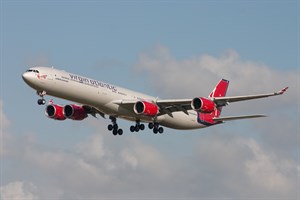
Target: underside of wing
[[166, 106], [172, 105], [93, 111]]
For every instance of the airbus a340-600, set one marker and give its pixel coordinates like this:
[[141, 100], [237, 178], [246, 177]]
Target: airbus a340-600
[[96, 97]]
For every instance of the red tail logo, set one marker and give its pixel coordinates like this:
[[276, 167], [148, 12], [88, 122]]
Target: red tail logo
[[220, 89]]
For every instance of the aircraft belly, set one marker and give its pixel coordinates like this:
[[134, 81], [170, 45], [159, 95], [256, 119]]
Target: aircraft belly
[[180, 120]]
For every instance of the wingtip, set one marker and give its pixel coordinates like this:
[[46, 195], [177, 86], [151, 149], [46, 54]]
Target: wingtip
[[283, 90]]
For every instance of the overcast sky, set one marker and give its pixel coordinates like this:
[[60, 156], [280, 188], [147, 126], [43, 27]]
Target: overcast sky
[[169, 49]]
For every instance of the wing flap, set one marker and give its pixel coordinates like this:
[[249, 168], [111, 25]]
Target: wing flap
[[93, 111]]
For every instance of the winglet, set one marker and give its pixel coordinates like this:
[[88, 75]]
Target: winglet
[[283, 90]]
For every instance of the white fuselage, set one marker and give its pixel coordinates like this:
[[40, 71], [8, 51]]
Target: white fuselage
[[102, 96]]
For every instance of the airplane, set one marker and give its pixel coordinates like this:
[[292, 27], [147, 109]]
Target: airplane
[[94, 97]]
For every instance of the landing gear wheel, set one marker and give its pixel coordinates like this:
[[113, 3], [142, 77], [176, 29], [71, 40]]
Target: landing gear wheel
[[142, 127], [136, 128], [132, 128], [114, 127], [41, 101], [120, 132], [156, 128], [150, 125], [160, 130], [110, 127]]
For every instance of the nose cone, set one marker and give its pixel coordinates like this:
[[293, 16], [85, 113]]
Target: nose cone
[[28, 77]]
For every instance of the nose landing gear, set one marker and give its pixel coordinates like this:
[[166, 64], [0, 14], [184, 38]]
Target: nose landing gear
[[41, 101]]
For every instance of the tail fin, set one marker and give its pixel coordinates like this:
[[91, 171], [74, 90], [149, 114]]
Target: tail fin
[[219, 91]]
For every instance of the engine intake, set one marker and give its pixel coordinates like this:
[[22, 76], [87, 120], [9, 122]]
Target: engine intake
[[146, 108], [74, 112], [203, 105], [54, 111]]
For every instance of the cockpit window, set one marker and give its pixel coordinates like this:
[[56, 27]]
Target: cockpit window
[[33, 70]]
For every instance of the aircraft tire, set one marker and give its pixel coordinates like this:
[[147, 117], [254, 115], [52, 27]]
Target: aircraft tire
[[137, 128], [132, 129], [120, 132], [160, 130], [142, 127], [110, 127], [115, 127], [150, 125], [40, 101]]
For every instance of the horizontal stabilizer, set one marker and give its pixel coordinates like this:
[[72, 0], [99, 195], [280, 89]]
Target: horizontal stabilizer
[[221, 119]]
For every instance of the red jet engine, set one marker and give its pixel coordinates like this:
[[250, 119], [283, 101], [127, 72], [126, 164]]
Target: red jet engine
[[74, 112], [203, 105], [146, 108], [54, 111]]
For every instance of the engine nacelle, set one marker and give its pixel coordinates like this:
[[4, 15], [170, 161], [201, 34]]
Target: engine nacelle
[[74, 112], [203, 105], [146, 108], [54, 111]]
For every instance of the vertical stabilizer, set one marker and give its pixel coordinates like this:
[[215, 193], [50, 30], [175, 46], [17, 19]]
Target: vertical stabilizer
[[220, 89]]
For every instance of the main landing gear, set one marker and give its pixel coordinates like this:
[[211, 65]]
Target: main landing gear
[[156, 128], [134, 128], [41, 101], [114, 127], [138, 126]]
